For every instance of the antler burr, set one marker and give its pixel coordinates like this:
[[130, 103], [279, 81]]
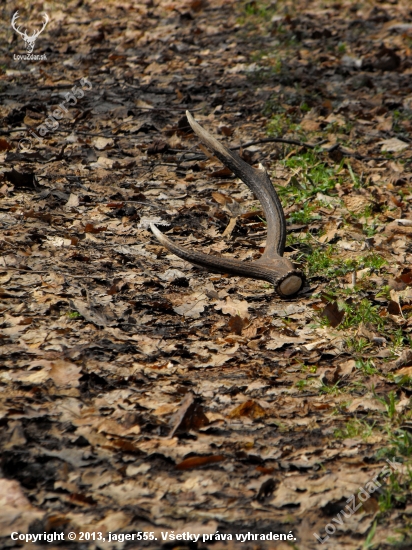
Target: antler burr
[[271, 266]]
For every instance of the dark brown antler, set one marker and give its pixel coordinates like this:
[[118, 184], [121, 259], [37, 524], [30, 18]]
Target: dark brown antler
[[271, 266]]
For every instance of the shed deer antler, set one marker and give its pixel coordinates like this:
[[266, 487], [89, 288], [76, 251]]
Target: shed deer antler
[[271, 266], [29, 40]]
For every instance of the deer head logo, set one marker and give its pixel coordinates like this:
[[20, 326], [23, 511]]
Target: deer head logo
[[29, 40]]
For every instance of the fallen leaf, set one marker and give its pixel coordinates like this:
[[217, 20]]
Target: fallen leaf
[[221, 198], [393, 145], [5, 145], [266, 489], [314, 345], [236, 324], [16, 510], [347, 367], [90, 313], [404, 371], [90, 228], [278, 340], [73, 200], [158, 146], [222, 173], [356, 203], [367, 404], [172, 275], [64, 373], [233, 307], [310, 125], [194, 306], [404, 360], [198, 461], [102, 143], [146, 221], [333, 314], [225, 130], [189, 416], [248, 408], [394, 308]]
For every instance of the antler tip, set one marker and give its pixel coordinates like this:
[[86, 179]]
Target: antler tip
[[194, 125], [158, 234], [154, 228]]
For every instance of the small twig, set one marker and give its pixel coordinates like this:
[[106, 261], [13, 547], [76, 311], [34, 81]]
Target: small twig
[[45, 177], [256, 142], [145, 204], [229, 229], [353, 278], [28, 270], [6, 309], [167, 109], [8, 132], [278, 140]]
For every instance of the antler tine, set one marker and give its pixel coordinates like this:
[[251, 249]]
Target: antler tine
[[271, 266], [213, 263], [14, 19], [46, 20]]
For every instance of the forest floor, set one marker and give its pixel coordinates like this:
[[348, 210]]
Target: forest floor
[[140, 393]]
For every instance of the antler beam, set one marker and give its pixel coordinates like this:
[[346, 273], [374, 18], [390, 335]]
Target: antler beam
[[272, 266]]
